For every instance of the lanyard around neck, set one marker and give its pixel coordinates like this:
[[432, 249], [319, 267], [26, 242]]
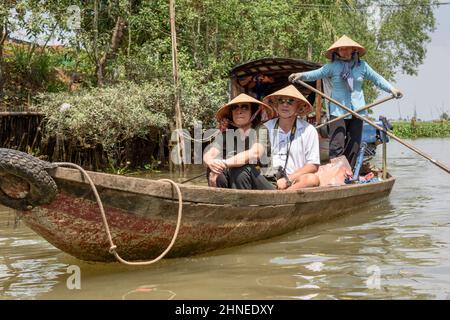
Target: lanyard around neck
[[291, 137]]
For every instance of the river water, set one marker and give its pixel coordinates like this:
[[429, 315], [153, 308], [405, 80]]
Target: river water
[[395, 249]]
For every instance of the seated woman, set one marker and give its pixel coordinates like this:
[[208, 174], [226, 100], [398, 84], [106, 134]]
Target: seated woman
[[235, 157]]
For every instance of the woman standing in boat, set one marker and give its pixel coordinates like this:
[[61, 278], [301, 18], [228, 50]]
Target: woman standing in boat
[[346, 72], [235, 157]]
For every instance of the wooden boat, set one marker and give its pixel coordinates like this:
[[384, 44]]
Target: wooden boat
[[142, 214]]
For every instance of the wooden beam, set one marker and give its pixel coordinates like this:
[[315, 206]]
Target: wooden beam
[[20, 113]]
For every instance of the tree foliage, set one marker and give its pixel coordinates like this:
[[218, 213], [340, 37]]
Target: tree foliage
[[106, 116], [129, 40]]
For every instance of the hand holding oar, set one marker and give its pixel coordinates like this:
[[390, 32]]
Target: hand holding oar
[[358, 110], [423, 154]]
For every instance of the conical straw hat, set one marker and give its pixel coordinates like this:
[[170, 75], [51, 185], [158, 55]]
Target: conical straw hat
[[224, 111], [345, 41], [290, 92]]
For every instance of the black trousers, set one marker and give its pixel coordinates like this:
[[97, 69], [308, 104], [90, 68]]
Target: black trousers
[[345, 138], [245, 177]]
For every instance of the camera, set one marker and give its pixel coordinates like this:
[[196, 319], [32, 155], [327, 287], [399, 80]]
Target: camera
[[281, 173]]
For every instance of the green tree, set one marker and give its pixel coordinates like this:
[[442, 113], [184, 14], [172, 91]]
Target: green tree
[[102, 31], [5, 28], [125, 40]]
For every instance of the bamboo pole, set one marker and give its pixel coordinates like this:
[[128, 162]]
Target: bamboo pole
[[178, 117], [357, 111], [423, 154], [384, 158], [318, 101]]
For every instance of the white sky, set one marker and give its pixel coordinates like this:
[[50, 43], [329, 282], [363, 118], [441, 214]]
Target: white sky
[[429, 91]]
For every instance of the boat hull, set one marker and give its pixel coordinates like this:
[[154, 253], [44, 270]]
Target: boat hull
[[142, 215]]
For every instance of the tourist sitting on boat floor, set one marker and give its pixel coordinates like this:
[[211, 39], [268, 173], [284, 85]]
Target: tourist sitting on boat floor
[[234, 159], [294, 142]]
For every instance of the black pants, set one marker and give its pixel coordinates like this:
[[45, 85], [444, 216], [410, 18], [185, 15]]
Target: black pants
[[245, 177], [345, 138]]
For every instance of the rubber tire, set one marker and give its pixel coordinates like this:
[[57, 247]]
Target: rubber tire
[[43, 188]]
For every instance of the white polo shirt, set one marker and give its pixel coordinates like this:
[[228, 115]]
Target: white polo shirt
[[304, 148]]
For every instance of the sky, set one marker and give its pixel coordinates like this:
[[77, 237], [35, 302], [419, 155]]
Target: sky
[[429, 91]]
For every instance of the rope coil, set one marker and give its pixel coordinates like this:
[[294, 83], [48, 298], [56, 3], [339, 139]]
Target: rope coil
[[113, 247]]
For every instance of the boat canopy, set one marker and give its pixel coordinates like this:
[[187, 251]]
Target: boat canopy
[[262, 77]]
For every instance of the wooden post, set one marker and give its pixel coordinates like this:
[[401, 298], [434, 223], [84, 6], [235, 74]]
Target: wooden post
[[318, 102], [3, 36], [95, 44], [384, 157], [178, 118]]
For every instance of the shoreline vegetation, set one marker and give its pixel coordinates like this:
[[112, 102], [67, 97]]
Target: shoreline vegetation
[[422, 129]]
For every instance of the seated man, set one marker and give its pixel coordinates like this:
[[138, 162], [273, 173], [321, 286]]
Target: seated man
[[294, 142], [235, 157]]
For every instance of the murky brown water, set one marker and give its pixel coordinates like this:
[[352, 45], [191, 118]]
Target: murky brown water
[[398, 248]]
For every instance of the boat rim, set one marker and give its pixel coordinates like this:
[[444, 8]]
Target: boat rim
[[205, 194]]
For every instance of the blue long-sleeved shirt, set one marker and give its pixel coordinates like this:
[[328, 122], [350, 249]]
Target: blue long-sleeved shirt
[[355, 99]]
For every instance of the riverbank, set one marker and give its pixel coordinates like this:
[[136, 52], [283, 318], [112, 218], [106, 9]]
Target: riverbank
[[421, 129]]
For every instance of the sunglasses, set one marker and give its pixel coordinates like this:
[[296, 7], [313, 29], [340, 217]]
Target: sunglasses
[[243, 107], [288, 101]]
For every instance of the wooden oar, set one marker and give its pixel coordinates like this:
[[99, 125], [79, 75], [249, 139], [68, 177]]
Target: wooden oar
[[358, 110], [423, 154]]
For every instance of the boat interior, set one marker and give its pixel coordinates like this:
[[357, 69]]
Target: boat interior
[[259, 78]]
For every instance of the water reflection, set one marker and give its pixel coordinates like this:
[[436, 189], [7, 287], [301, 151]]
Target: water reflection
[[402, 241], [333, 261], [27, 266]]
